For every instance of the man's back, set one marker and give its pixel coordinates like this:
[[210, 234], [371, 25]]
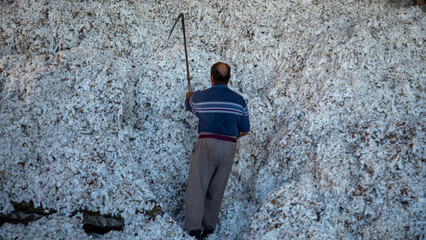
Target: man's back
[[220, 110]]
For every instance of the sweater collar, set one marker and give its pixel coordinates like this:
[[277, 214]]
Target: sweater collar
[[219, 86]]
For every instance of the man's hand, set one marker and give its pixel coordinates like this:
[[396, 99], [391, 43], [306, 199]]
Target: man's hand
[[189, 94], [243, 133]]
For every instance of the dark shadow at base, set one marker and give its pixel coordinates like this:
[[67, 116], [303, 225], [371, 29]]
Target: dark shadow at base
[[24, 213], [100, 224]]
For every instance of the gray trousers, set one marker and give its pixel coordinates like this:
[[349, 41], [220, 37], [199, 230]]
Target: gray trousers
[[211, 163]]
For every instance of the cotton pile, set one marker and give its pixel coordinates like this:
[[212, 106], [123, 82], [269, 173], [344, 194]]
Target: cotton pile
[[92, 115]]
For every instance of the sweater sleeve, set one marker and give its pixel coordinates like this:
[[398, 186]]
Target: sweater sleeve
[[245, 121], [189, 105]]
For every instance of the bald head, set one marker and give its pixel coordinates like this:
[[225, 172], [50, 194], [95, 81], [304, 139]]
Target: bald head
[[221, 73]]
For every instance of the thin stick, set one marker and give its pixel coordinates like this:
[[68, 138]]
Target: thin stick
[[186, 51]]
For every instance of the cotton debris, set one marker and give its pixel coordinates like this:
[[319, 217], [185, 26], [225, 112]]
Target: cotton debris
[[92, 115]]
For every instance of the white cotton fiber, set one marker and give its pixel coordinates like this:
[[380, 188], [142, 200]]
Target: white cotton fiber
[[92, 115]]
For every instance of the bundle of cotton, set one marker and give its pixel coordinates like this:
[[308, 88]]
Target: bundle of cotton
[[347, 136], [92, 116], [68, 144], [69, 127]]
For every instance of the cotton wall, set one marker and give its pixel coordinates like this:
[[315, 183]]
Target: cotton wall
[[92, 115]]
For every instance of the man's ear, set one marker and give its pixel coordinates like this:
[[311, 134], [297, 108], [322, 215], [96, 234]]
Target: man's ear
[[211, 80]]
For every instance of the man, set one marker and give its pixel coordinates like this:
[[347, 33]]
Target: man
[[223, 117]]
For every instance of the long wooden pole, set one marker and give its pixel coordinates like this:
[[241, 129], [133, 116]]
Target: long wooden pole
[[186, 51]]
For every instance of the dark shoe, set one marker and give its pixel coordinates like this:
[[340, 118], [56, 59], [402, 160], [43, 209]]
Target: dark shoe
[[206, 232], [196, 234]]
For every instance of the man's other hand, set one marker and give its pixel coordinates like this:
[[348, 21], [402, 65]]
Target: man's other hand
[[189, 94], [243, 133]]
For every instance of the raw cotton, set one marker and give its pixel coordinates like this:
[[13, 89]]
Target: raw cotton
[[92, 115]]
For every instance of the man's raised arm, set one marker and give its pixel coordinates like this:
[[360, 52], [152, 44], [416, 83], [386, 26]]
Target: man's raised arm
[[187, 101]]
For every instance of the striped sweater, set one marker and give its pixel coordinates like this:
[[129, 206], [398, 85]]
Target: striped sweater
[[220, 111]]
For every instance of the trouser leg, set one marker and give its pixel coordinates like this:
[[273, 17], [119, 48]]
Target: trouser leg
[[198, 181], [217, 184]]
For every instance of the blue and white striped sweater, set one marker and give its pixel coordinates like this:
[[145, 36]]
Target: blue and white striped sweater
[[220, 110]]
